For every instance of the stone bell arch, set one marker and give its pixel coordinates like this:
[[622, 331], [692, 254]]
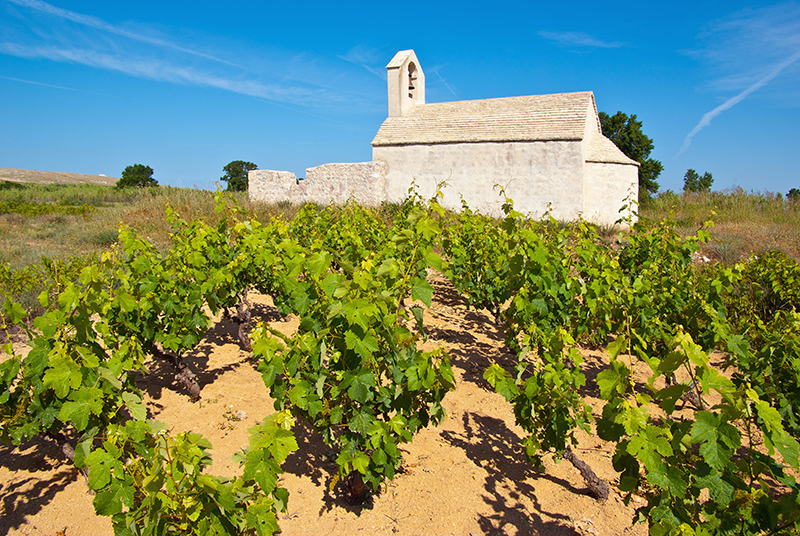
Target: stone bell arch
[[406, 83]]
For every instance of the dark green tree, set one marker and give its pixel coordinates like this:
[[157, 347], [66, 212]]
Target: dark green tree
[[137, 176], [236, 175], [706, 181], [693, 182], [626, 133], [794, 194]]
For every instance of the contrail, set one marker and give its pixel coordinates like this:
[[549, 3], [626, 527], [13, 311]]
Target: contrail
[[445, 83], [38, 83], [53, 86], [706, 120]]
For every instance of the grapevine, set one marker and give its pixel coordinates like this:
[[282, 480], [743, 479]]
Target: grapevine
[[710, 453]]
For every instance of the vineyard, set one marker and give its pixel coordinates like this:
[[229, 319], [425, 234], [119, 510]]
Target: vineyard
[[697, 398]]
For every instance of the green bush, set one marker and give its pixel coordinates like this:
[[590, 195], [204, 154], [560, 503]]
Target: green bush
[[137, 176]]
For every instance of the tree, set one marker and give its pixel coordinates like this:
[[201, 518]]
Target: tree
[[794, 194], [236, 175], [706, 181], [137, 176], [626, 133], [692, 182]]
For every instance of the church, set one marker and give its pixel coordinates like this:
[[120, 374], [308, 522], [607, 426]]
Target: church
[[546, 151]]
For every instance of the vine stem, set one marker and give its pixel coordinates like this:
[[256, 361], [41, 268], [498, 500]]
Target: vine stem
[[597, 486]]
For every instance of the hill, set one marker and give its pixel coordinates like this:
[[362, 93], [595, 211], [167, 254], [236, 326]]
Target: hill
[[53, 177]]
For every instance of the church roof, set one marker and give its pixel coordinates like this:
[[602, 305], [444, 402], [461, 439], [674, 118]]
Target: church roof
[[560, 116], [601, 149]]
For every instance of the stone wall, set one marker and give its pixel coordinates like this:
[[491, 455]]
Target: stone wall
[[538, 175], [270, 186], [607, 188], [362, 182]]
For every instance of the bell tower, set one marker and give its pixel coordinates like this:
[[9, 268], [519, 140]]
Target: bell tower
[[406, 83]]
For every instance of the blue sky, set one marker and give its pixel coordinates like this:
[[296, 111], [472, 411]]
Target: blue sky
[[186, 87]]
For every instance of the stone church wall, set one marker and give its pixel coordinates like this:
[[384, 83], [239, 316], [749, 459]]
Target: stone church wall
[[608, 187], [538, 176]]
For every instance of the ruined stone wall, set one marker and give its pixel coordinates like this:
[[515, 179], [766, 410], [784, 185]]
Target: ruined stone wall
[[363, 182], [270, 186]]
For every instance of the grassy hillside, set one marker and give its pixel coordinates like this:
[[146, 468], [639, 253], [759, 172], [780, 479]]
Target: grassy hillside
[[53, 177], [62, 220]]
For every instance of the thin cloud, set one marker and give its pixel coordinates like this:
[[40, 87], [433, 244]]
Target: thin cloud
[[99, 24], [167, 72], [99, 44], [706, 119], [367, 59], [736, 48], [578, 39]]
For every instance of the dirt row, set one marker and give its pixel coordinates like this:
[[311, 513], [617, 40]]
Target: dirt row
[[468, 476]]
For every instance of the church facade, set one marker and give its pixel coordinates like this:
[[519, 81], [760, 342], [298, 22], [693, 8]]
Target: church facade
[[546, 152]]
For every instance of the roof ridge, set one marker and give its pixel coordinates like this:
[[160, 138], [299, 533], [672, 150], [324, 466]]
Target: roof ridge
[[554, 116]]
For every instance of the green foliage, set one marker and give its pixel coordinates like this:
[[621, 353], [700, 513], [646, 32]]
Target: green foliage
[[767, 285], [78, 381], [9, 185], [479, 262], [96, 195], [37, 209], [794, 194], [236, 175], [665, 314], [149, 482], [693, 183], [626, 133], [764, 306], [137, 176], [36, 286], [711, 455], [353, 370]]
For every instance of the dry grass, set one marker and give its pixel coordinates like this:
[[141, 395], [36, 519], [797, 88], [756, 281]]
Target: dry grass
[[25, 239], [744, 223]]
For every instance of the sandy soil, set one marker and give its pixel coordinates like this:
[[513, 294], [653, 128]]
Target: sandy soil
[[466, 477]]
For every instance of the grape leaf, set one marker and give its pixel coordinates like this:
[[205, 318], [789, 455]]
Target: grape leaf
[[423, 291], [613, 380]]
